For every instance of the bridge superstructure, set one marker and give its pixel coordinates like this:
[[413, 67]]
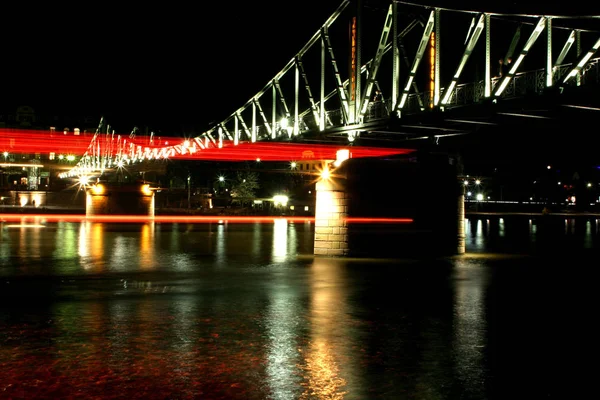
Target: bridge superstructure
[[366, 69], [420, 58]]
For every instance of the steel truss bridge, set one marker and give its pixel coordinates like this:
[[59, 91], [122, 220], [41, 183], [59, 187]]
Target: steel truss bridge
[[423, 60]]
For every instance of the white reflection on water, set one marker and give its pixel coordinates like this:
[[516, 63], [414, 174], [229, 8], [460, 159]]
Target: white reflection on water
[[569, 226], [470, 326], [280, 240], [256, 239], [65, 240], [120, 253], [175, 237], [476, 237], [587, 239], [532, 230], [221, 243]]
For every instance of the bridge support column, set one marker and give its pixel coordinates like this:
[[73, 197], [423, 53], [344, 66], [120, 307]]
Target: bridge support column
[[460, 234], [331, 230], [106, 199], [391, 208]]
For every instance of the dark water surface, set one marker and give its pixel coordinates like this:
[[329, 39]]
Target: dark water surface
[[245, 311]]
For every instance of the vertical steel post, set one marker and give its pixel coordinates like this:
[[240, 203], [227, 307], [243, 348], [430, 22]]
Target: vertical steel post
[[274, 112], [548, 52], [236, 133], [488, 54], [395, 56], [296, 93], [253, 138], [436, 86], [578, 48], [322, 93]]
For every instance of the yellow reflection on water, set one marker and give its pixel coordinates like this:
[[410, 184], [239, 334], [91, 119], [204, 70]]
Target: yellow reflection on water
[[324, 358], [147, 248], [323, 379], [91, 245]]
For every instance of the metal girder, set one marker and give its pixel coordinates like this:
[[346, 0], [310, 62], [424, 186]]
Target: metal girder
[[263, 116], [244, 126], [337, 77], [376, 61], [229, 137], [405, 58], [582, 61], [388, 47], [281, 98], [311, 99], [513, 44], [417, 60], [471, 42], [211, 138], [511, 73], [565, 50]]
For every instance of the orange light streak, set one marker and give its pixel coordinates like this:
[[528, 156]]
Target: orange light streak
[[432, 69]]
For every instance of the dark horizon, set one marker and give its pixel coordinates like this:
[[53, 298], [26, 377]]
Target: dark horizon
[[170, 68]]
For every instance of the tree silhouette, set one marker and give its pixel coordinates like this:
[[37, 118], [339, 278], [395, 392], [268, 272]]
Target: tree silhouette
[[243, 188]]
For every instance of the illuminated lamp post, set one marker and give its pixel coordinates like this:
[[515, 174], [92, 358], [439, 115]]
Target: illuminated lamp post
[[189, 191]]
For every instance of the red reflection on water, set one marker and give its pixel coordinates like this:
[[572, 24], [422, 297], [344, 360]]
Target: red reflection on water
[[37, 218]]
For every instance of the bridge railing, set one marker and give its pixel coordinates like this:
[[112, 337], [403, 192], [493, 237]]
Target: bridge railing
[[523, 83]]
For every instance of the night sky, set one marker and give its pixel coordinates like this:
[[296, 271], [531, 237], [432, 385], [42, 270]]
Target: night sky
[[176, 66]]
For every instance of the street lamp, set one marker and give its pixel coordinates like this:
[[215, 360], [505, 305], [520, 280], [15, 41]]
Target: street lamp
[[189, 191]]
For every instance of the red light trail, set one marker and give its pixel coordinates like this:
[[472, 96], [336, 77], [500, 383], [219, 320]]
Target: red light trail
[[191, 219], [46, 142]]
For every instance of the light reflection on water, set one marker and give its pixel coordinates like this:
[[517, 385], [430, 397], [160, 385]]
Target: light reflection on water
[[524, 235], [245, 311]]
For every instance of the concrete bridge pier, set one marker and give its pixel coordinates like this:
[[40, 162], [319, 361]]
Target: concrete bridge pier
[[331, 227], [119, 199], [421, 200]]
